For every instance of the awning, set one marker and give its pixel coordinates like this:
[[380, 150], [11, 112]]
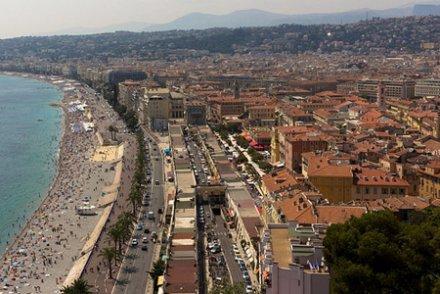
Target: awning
[[160, 281]]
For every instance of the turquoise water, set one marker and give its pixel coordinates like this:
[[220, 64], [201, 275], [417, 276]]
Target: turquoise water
[[30, 131]]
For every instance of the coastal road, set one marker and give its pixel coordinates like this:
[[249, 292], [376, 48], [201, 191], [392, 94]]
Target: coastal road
[[134, 271]]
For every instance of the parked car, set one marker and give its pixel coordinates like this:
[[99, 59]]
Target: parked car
[[134, 242], [249, 289], [139, 227], [144, 248]]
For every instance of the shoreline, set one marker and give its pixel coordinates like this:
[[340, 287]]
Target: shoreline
[[48, 246], [58, 155]]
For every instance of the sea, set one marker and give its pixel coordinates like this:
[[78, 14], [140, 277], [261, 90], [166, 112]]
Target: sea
[[30, 132]]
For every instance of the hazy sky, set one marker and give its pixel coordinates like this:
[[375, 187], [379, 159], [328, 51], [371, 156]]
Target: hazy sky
[[24, 17]]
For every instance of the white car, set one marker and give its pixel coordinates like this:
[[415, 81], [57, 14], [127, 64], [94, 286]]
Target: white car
[[134, 242]]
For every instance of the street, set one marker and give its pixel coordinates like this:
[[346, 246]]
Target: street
[[134, 272]]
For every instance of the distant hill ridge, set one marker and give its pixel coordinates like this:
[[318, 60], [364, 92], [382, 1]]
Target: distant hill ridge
[[259, 18]]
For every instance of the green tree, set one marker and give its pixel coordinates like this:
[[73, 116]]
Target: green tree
[[158, 269], [79, 286], [241, 158], [242, 142], [226, 288], [379, 253]]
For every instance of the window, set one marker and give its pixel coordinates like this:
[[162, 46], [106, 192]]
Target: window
[[367, 190], [393, 191], [401, 191], [358, 190], [384, 190], [374, 190]]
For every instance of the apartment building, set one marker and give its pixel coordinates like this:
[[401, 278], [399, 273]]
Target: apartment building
[[291, 260], [156, 108], [130, 93], [373, 183], [429, 186], [177, 108], [195, 113], [297, 144], [392, 89], [427, 87], [330, 173]]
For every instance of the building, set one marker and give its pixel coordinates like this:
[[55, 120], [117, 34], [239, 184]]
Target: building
[[195, 113], [430, 180], [297, 144], [290, 115], [279, 181], [226, 106], [330, 173], [392, 89], [372, 183], [261, 116], [429, 87], [156, 108], [130, 93], [177, 109], [278, 141], [291, 260]]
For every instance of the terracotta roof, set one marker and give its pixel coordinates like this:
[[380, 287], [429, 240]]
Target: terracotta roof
[[280, 181], [375, 177], [328, 164], [397, 203], [301, 210], [338, 214]]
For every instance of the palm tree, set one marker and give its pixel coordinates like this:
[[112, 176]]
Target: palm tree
[[79, 286], [135, 198], [126, 223], [117, 233], [110, 255]]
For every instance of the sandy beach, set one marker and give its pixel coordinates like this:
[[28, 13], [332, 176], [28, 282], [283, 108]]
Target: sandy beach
[[41, 256]]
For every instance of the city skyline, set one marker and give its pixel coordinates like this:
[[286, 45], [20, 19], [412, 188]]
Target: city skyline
[[48, 16]]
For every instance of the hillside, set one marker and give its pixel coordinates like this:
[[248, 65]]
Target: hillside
[[386, 35]]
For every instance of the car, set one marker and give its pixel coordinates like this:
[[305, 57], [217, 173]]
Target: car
[[249, 289], [213, 244], [145, 202], [134, 242], [245, 275], [144, 240], [156, 182], [215, 250], [144, 248], [139, 227], [146, 231]]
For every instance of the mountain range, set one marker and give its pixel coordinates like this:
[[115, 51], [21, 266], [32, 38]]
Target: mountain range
[[258, 18]]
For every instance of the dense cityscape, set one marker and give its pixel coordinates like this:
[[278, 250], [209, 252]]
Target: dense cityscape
[[288, 159]]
